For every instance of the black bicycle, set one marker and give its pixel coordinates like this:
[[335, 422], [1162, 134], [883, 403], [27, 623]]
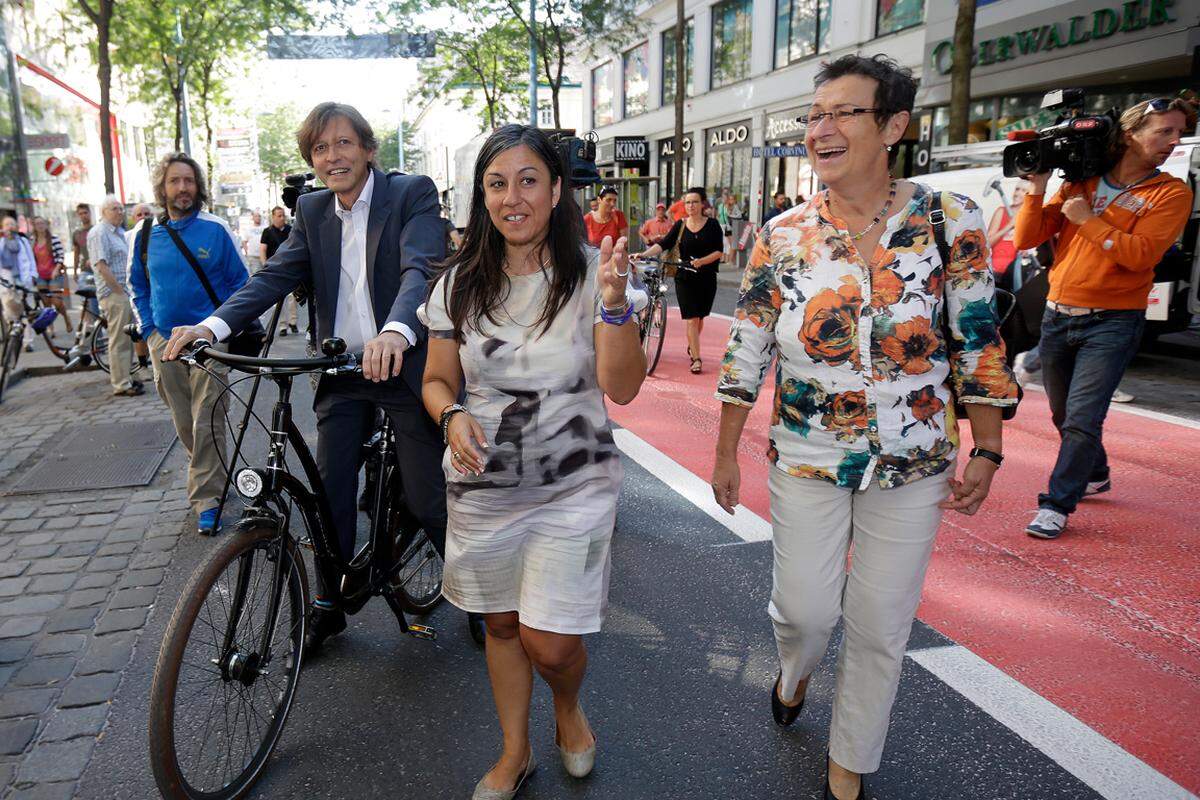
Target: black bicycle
[[12, 332], [230, 659], [652, 320]]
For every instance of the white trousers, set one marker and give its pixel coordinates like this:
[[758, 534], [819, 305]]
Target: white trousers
[[814, 523]]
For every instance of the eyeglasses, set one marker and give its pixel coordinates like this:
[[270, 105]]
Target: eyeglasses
[[839, 116]]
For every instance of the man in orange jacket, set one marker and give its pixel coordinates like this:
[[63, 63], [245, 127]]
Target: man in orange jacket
[[1113, 230]]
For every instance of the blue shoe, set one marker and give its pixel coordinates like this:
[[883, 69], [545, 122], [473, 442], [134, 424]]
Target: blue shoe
[[210, 522]]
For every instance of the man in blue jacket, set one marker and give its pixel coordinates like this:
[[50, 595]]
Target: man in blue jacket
[[167, 293]]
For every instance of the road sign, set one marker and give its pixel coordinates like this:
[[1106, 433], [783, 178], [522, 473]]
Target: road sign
[[47, 141], [55, 166], [385, 45]]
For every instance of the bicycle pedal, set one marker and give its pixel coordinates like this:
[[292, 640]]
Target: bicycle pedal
[[305, 542], [422, 632]]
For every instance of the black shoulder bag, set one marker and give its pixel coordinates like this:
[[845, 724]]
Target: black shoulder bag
[[246, 342], [937, 220]]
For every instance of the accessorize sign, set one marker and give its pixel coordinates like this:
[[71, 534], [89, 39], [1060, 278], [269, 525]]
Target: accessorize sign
[[1030, 39], [784, 125], [729, 136]]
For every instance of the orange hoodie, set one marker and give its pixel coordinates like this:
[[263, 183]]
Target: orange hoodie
[[1108, 262]]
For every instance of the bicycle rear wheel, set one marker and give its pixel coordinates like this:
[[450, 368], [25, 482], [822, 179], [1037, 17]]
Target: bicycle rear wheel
[[654, 327], [219, 699], [10, 351], [419, 573]]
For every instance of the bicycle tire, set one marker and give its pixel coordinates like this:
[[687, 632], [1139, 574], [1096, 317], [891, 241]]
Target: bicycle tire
[[655, 331], [98, 344], [173, 733], [419, 573], [10, 351]]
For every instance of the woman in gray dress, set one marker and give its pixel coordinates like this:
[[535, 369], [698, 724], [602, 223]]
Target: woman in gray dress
[[537, 328]]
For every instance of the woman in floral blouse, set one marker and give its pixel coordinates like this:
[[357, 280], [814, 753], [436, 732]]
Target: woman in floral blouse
[[874, 339]]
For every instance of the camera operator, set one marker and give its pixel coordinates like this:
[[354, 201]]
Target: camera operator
[[1113, 229]]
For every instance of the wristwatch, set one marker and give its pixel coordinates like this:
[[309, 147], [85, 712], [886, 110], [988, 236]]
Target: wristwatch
[[995, 458], [448, 412]]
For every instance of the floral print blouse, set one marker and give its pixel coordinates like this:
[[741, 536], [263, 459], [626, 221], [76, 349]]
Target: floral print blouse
[[864, 372]]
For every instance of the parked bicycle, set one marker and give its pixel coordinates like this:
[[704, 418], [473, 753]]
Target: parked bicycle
[[230, 659], [88, 343], [12, 337]]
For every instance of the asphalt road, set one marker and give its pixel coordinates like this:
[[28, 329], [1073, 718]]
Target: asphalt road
[[677, 691]]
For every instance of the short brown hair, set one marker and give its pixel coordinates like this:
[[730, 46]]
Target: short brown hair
[[320, 117], [160, 178]]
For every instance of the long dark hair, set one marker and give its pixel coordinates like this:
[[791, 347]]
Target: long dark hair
[[480, 284]]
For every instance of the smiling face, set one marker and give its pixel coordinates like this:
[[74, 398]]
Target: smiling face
[[519, 195], [339, 159], [855, 147], [1157, 138], [608, 202]]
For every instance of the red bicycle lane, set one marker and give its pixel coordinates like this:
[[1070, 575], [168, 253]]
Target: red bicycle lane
[[1103, 622]]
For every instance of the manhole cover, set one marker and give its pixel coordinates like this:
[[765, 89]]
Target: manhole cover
[[100, 457]]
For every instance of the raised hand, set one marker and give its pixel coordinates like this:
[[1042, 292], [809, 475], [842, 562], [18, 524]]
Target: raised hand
[[614, 271]]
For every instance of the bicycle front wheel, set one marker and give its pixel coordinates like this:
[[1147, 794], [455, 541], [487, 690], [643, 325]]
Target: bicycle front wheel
[[419, 573], [654, 330], [10, 351], [228, 668]]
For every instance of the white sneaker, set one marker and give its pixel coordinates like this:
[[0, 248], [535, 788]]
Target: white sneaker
[[1097, 487], [1122, 397], [1048, 524]]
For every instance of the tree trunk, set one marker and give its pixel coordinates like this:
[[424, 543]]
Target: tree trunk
[[680, 90], [105, 75], [205, 89], [178, 97], [960, 74]]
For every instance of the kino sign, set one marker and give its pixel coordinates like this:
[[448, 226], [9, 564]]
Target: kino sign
[[632, 150]]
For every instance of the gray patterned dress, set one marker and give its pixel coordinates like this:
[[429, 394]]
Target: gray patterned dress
[[532, 533]]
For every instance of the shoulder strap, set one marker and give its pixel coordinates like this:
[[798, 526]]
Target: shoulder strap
[[191, 259], [937, 218], [144, 242]]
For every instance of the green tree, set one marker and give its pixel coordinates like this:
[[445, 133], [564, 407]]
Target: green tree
[[483, 56], [277, 152]]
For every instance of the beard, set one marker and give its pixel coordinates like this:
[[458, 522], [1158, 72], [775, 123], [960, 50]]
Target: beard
[[183, 204]]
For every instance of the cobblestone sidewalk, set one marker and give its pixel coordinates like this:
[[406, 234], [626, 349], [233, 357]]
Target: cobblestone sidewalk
[[79, 573]]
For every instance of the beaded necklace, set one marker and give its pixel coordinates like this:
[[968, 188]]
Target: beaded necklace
[[882, 213]]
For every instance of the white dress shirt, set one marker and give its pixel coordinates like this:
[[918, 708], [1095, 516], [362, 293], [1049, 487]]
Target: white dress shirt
[[354, 317]]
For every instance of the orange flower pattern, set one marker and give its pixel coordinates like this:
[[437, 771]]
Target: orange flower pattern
[[867, 356]]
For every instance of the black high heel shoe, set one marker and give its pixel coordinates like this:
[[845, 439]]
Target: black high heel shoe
[[784, 714], [862, 787]]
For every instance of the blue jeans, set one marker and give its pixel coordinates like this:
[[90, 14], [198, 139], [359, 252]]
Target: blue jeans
[[1083, 359]]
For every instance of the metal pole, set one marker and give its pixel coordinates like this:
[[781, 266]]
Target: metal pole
[[185, 128], [533, 77], [24, 189], [400, 134]]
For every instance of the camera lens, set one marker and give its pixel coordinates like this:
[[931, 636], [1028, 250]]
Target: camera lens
[[1028, 161]]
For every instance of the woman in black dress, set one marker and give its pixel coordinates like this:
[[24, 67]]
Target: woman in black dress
[[701, 245]]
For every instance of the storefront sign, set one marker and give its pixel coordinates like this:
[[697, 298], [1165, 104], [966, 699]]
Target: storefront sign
[[632, 148], [996, 46], [47, 141], [789, 151], [727, 137], [1031, 123], [666, 147], [785, 125]]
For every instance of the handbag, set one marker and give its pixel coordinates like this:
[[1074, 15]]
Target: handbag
[[246, 342], [937, 220]]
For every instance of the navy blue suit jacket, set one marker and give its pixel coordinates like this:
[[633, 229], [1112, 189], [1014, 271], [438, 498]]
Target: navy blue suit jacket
[[405, 240]]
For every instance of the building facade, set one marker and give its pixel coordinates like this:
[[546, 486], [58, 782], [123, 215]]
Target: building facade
[[750, 66]]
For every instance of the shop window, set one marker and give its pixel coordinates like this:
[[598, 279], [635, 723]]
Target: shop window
[[602, 95], [731, 22], [637, 79], [801, 29], [729, 171], [896, 15], [668, 62]]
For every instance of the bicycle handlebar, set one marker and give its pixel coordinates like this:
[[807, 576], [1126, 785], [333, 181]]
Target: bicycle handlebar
[[202, 350]]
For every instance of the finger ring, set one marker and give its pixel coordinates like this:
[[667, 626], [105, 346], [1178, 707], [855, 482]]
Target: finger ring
[[624, 274], [453, 454]]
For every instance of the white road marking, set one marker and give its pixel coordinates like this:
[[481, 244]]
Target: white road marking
[[1106, 767], [744, 523], [1103, 765], [1125, 408]]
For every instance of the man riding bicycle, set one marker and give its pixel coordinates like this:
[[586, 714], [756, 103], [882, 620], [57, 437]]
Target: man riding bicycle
[[367, 245]]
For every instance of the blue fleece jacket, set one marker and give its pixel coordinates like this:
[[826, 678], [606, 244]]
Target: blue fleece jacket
[[170, 294]]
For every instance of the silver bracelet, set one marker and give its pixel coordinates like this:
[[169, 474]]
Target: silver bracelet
[[617, 308]]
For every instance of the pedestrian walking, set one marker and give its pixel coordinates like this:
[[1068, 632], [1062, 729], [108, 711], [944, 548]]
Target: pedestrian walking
[[537, 329], [270, 240], [606, 220], [17, 266], [108, 252], [1113, 230], [252, 242], [875, 339], [654, 229], [50, 257], [367, 246], [699, 239], [779, 205], [188, 252]]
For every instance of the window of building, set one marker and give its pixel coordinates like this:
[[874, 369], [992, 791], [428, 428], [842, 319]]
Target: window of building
[[731, 21], [602, 95], [545, 115], [668, 62], [801, 29], [896, 15], [637, 79]]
